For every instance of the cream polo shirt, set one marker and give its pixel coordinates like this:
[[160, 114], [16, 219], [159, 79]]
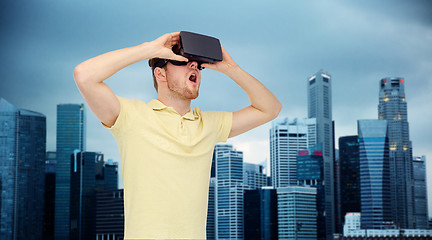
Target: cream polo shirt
[[166, 161]]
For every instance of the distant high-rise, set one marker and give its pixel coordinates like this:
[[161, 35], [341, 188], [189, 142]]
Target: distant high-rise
[[260, 213], [420, 193], [374, 174], [310, 174], [83, 202], [109, 214], [393, 108], [211, 216], [352, 222], [70, 137], [319, 92], [297, 212], [229, 192], [22, 172], [49, 211], [287, 137], [253, 176], [111, 175], [349, 174]]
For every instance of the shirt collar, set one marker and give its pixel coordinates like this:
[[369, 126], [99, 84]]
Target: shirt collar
[[158, 106]]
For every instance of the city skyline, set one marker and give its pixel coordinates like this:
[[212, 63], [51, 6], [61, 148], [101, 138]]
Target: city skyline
[[358, 44]]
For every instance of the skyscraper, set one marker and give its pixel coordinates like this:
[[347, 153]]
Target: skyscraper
[[253, 176], [70, 137], [349, 174], [111, 175], [297, 212], [393, 108], [22, 172], [109, 214], [319, 93], [49, 211], [229, 192], [287, 137], [374, 173], [420, 193], [260, 214], [83, 195], [310, 174], [211, 216]]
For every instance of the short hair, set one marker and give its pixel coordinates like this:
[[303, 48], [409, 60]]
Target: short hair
[[152, 62]]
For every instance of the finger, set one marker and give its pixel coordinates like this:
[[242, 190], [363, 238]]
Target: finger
[[174, 43], [208, 65], [175, 34], [178, 58]]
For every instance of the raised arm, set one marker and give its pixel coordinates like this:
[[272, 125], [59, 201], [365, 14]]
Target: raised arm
[[89, 75], [264, 105]]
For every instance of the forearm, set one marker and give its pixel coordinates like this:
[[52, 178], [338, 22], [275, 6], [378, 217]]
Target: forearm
[[97, 69], [260, 97]]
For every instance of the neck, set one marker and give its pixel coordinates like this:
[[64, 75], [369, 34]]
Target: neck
[[181, 105]]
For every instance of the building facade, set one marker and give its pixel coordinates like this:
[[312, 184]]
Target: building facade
[[260, 214], [310, 173], [228, 192], [253, 176], [109, 214], [287, 137], [374, 174], [83, 195], [22, 172], [70, 137], [319, 92], [420, 193], [297, 212], [349, 163], [111, 175], [49, 210], [352, 222], [393, 108], [211, 216]]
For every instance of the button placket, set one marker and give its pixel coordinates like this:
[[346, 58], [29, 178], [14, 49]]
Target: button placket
[[183, 127]]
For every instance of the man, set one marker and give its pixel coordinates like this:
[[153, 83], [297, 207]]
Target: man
[[166, 148]]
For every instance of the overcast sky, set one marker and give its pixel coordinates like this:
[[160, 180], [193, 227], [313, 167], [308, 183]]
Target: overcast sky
[[282, 43]]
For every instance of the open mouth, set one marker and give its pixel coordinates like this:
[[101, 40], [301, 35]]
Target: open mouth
[[193, 77]]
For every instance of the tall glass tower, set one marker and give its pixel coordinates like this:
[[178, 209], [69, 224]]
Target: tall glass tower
[[229, 192], [320, 107], [310, 174], [70, 137], [349, 174], [287, 137], [22, 172], [260, 213], [83, 186], [420, 193], [393, 108], [374, 173]]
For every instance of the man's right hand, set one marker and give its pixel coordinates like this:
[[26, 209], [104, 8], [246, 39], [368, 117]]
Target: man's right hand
[[163, 47], [89, 75]]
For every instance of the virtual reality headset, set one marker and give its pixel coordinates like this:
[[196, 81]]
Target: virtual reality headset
[[200, 48]]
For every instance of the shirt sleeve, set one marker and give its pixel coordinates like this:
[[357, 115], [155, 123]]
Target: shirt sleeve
[[222, 122], [225, 126], [124, 118]]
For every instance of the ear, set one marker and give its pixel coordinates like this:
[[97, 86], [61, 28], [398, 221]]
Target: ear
[[160, 74]]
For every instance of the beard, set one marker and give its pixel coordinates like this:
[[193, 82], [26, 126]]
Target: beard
[[185, 92]]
